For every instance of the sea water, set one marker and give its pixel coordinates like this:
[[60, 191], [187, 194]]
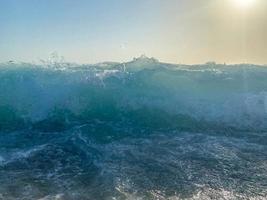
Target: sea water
[[136, 130]]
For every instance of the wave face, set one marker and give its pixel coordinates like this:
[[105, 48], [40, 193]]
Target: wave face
[[136, 130]]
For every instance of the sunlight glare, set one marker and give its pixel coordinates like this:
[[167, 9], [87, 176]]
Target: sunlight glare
[[244, 3]]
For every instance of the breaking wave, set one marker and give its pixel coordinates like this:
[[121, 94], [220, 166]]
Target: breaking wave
[[136, 130], [143, 91]]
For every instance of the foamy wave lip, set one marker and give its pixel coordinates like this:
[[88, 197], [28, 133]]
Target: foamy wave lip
[[203, 192], [12, 157], [209, 194], [53, 197]]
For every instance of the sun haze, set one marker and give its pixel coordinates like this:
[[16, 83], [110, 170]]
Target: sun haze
[[179, 31]]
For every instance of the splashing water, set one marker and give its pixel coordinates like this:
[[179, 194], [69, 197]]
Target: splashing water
[[136, 130]]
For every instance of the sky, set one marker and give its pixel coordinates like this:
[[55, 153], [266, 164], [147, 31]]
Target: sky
[[175, 31]]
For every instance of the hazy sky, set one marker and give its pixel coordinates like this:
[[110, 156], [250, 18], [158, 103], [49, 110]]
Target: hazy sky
[[179, 31]]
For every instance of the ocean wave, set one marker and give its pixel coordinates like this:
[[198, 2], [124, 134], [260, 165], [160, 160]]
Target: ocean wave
[[218, 95], [136, 130]]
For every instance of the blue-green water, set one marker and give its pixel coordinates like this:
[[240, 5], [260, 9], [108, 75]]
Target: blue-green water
[[139, 130]]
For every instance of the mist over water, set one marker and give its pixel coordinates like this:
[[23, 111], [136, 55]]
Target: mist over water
[[137, 130]]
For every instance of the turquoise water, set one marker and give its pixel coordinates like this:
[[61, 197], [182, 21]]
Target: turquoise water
[[138, 130]]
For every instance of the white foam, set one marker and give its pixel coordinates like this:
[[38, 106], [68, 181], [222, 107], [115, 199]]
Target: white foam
[[22, 154], [53, 197], [205, 193]]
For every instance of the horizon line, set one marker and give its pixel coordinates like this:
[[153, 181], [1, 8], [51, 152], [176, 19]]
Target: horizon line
[[55, 60]]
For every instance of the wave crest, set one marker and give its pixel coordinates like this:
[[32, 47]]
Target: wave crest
[[143, 91]]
